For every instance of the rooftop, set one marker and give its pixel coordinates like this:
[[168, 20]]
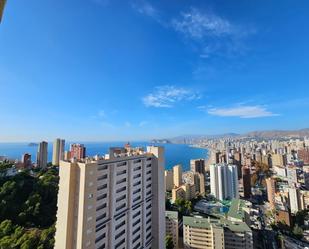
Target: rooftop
[[236, 209], [199, 222], [171, 215]]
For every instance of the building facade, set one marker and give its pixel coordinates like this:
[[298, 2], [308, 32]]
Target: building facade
[[177, 175], [77, 151], [224, 181], [41, 158], [58, 151], [112, 202]]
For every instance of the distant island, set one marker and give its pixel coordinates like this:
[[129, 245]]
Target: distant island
[[160, 141], [32, 144]]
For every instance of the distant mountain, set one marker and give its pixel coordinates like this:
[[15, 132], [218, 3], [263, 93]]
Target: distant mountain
[[268, 134], [278, 133]]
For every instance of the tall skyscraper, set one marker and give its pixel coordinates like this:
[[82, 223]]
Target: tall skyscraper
[[42, 155], [246, 181], [112, 202], [58, 151], [177, 175], [197, 166], [77, 151], [169, 181], [224, 181]]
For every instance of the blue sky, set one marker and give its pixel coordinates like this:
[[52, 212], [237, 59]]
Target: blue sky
[[132, 70]]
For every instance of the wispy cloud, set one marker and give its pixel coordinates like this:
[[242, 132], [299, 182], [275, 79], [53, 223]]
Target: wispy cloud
[[145, 8], [198, 25], [253, 111], [211, 32], [167, 96]]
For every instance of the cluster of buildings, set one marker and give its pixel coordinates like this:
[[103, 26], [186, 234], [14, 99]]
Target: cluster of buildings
[[278, 166], [186, 185], [76, 151]]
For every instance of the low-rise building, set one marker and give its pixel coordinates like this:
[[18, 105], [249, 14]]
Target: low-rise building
[[209, 233]]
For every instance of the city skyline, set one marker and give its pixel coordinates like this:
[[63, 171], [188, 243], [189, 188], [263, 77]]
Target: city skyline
[[110, 71]]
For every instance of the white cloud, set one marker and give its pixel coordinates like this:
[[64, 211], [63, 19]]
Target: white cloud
[[197, 25], [167, 96], [254, 111]]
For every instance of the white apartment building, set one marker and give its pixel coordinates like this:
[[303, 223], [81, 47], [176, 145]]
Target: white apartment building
[[224, 181], [114, 202]]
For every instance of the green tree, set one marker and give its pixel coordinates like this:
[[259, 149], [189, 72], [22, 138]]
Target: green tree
[[298, 232], [169, 242]]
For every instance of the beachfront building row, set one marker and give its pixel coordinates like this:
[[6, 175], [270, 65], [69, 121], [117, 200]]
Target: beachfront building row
[[112, 202]]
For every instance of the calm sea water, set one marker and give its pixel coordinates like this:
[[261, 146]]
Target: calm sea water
[[174, 153]]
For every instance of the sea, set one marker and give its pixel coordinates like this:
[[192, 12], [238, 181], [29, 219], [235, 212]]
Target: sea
[[174, 153]]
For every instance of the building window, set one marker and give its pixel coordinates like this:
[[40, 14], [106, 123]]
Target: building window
[[103, 167], [120, 207], [121, 164], [120, 234], [102, 177], [120, 243], [121, 180], [137, 168], [137, 176], [101, 197], [119, 173], [120, 225], [104, 186], [101, 207], [121, 189], [121, 198], [137, 183]]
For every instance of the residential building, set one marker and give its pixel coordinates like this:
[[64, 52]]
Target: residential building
[[206, 233], [77, 151], [112, 202], [271, 190], [197, 166], [172, 225], [303, 155], [26, 160], [279, 159], [284, 217], [199, 183], [58, 151], [42, 155], [246, 181], [169, 180], [177, 175], [224, 181], [294, 199], [185, 191]]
